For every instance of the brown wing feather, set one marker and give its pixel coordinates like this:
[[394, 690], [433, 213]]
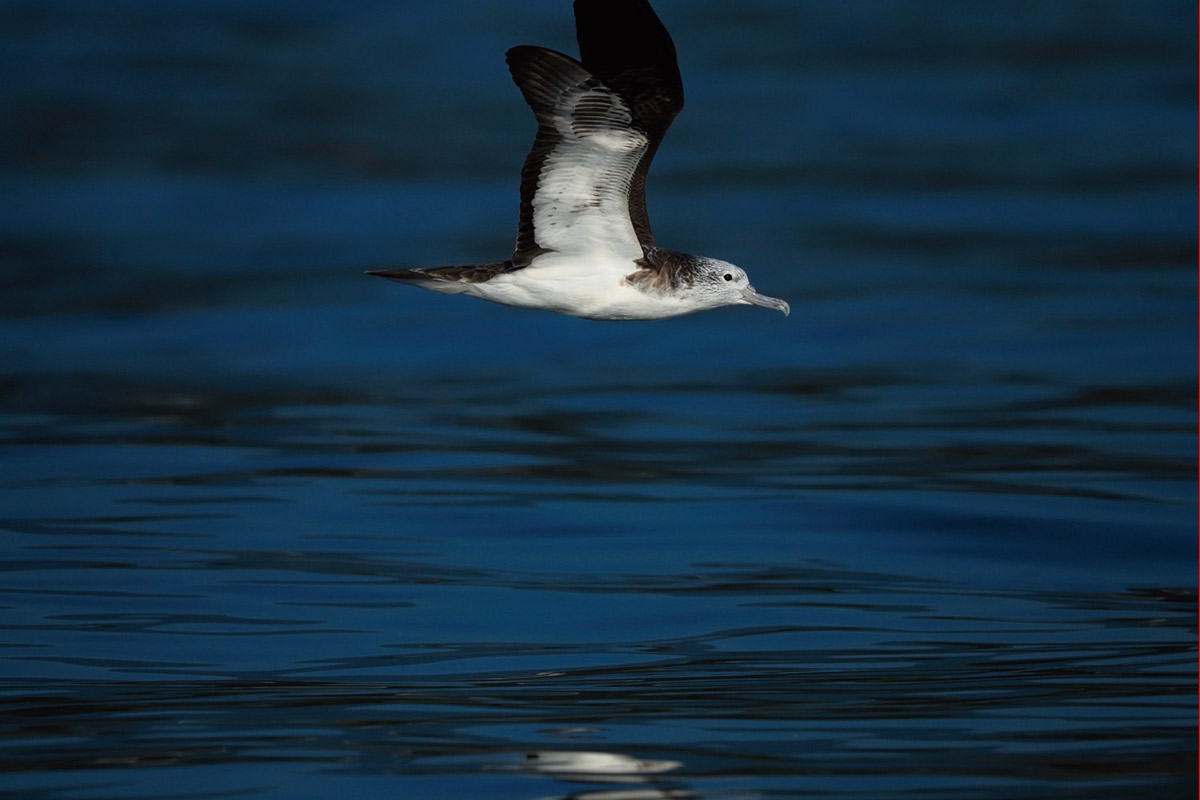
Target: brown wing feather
[[576, 179], [624, 43]]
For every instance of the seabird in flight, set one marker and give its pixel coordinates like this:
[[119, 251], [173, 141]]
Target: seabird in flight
[[584, 245]]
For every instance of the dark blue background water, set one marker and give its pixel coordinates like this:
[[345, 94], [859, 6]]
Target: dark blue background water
[[275, 528]]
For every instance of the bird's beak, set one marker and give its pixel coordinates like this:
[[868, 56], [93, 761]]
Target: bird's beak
[[752, 297]]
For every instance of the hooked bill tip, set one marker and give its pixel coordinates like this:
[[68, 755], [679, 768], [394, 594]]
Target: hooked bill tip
[[754, 298]]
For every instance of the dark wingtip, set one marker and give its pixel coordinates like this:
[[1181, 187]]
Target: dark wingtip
[[626, 45]]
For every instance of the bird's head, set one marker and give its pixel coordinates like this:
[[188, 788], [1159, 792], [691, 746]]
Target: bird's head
[[724, 284]]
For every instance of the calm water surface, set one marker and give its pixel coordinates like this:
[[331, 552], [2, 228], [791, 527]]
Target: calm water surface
[[275, 529]]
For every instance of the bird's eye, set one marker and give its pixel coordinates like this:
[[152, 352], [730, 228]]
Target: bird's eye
[[728, 276]]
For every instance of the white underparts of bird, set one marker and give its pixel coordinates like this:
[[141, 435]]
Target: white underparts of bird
[[584, 245]]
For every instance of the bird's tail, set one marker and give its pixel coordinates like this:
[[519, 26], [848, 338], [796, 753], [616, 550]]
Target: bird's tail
[[449, 280]]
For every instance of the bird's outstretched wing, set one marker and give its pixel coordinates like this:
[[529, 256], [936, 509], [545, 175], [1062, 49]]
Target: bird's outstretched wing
[[576, 179], [600, 120]]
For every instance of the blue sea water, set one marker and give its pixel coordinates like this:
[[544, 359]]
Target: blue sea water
[[272, 528]]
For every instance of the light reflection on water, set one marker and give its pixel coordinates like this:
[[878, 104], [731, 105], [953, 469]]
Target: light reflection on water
[[414, 646], [272, 528]]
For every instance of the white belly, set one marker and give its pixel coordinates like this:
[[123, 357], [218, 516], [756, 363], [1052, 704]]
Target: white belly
[[595, 288]]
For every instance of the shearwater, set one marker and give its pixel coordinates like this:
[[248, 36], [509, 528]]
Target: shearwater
[[584, 245]]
